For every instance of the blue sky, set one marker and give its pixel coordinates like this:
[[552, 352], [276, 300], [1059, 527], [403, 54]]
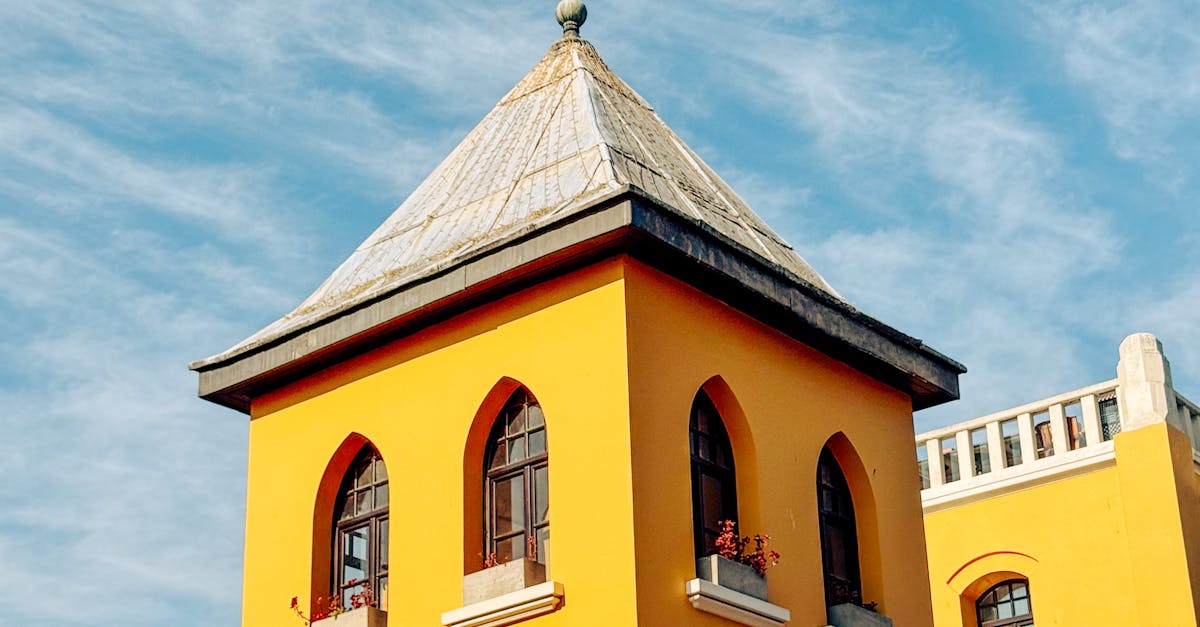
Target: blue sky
[[1011, 181]]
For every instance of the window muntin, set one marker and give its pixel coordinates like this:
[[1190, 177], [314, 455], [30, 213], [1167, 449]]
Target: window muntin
[[714, 481], [839, 534], [360, 541], [516, 482], [1006, 604]]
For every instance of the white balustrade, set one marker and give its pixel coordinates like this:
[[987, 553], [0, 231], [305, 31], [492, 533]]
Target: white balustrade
[[1062, 455]]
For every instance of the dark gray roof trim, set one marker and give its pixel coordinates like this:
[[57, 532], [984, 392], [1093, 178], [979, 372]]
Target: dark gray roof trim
[[628, 221]]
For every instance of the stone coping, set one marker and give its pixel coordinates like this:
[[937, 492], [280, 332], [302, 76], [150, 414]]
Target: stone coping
[[627, 223], [735, 606]]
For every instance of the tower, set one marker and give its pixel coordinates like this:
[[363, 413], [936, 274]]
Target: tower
[[569, 355]]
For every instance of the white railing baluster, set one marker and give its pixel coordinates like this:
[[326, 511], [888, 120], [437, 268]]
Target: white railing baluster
[[966, 465], [933, 450], [1091, 420], [1025, 429], [1058, 429], [995, 446]]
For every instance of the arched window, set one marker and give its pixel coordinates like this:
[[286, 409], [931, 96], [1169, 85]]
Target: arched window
[[360, 537], [714, 484], [839, 536], [1005, 604], [516, 485]]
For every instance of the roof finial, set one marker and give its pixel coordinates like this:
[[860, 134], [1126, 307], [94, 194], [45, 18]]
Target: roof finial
[[571, 14]]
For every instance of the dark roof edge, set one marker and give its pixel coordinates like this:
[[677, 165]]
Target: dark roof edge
[[630, 222]]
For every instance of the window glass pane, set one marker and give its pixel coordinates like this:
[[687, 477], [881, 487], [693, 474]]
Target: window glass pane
[[348, 595], [500, 455], [701, 412], [1110, 419], [383, 544], [364, 502], [510, 549], [1004, 610], [534, 417], [516, 449], [711, 497], [364, 475], [721, 454], [987, 612], [355, 547], [700, 447], [381, 496], [541, 494], [1003, 594], [509, 498], [516, 421], [537, 443], [381, 470], [1021, 606], [837, 551], [346, 507], [543, 535], [383, 593]]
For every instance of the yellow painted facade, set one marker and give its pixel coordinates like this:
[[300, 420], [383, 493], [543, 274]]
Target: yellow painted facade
[[1113, 543], [615, 353]]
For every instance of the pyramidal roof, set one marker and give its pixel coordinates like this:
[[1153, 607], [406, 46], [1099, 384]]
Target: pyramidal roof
[[569, 137], [569, 133]]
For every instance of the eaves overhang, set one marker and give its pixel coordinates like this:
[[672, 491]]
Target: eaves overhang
[[627, 221]]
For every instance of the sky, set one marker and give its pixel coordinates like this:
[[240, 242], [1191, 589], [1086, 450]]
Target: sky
[[1012, 182]]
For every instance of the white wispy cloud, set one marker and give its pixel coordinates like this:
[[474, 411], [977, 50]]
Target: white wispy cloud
[[1140, 62], [174, 173]]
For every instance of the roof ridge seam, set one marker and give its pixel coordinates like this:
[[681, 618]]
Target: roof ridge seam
[[532, 153], [632, 132], [691, 157]]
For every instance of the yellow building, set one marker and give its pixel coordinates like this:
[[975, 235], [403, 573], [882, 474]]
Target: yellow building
[[1082, 509], [568, 356]]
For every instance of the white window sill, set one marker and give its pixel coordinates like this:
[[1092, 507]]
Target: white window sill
[[508, 608], [737, 607]]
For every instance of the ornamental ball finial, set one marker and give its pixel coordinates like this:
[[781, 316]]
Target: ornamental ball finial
[[571, 15]]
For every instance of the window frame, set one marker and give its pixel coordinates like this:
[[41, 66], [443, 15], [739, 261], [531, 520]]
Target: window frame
[[838, 589], [725, 474], [527, 468], [1021, 620], [375, 521]]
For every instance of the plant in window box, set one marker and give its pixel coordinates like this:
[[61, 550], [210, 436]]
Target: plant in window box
[[497, 578], [360, 610], [731, 566]]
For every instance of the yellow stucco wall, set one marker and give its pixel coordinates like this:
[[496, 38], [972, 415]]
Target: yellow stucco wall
[[615, 354], [1101, 548], [415, 400], [786, 401]]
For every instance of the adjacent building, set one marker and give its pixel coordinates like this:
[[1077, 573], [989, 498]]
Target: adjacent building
[[1079, 509], [537, 389]]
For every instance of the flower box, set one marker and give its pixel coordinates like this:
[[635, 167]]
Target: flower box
[[361, 617], [851, 615], [732, 575], [490, 583]]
